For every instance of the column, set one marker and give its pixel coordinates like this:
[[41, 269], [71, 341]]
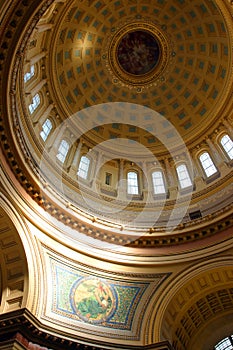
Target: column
[[43, 27], [198, 179], [37, 88], [229, 127], [214, 151], [122, 182], [145, 189], [45, 114], [74, 166], [33, 61], [37, 58], [144, 172], [54, 142], [98, 164], [96, 183], [172, 183], [170, 176], [218, 160]]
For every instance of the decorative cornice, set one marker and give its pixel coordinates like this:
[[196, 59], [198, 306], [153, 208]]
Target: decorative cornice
[[31, 330], [122, 239]]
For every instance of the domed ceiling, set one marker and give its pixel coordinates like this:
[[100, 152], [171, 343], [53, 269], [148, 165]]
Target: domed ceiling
[[137, 87], [149, 82], [189, 76]]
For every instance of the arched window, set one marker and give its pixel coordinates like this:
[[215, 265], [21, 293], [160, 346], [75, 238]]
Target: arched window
[[83, 167], [158, 182], [35, 103], [63, 150], [225, 344], [207, 164], [29, 75], [183, 176], [227, 144], [46, 129], [132, 183]]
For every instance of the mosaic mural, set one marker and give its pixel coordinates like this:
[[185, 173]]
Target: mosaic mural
[[99, 301], [93, 300]]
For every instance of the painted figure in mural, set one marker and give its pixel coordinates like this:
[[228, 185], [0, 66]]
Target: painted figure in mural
[[93, 300], [138, 52]]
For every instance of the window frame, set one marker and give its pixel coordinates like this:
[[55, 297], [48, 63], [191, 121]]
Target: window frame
[[63, 157], [204, 169], [163, 185], [80, 169], [227, 346], [43, 129], [29, 75], [228, 153], [36, 101], [182, 180], [108, 176], [130, 186]]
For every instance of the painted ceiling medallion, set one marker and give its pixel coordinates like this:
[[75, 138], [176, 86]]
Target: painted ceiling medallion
[[93, 300], [137, 54]]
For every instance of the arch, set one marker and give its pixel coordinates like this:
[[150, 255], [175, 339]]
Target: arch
[[207, 164], [227, 145], [13, 263], [225, 344], [192, 302]]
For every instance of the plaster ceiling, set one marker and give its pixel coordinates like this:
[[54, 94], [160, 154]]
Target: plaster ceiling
[[188, 89]]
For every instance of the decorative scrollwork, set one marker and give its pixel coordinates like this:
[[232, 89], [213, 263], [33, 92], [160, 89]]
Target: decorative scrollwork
[[138, 54]]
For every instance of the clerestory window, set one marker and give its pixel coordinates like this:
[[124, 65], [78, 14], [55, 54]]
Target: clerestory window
[[132, 183], [63, 150], [46, 129], [227, 145], [35, 103], [225, 344], [207, 164], [183, 176], [158, 182], [29, 75], [83, 167]]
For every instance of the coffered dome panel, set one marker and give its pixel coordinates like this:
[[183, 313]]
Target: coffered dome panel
[[189, 90]]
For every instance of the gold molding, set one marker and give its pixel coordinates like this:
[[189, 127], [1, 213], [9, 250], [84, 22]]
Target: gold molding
[[156, 74]]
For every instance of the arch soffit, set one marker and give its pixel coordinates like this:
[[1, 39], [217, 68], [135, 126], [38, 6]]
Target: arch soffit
[[184, 291], [18, 274]]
